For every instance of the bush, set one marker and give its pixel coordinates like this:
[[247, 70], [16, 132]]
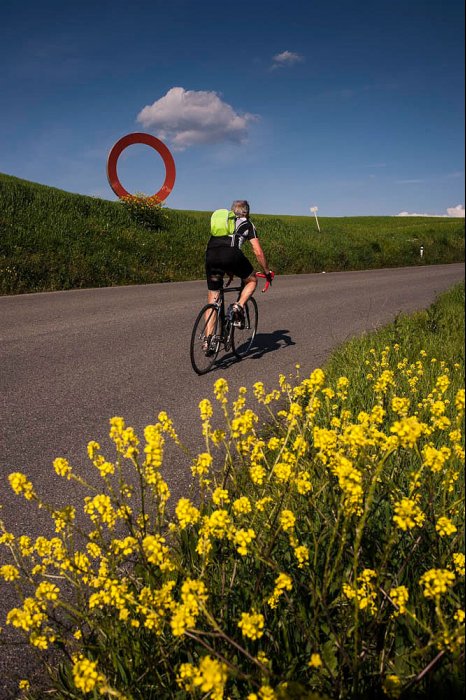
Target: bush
[[326, 560], [146, 212]]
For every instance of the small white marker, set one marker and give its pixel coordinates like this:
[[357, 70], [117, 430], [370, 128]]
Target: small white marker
[[314, 210]]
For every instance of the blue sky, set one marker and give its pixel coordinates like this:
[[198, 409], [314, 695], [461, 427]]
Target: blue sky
[[352, 106]]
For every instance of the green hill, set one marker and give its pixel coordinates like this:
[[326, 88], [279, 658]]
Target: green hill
[[51, 240]]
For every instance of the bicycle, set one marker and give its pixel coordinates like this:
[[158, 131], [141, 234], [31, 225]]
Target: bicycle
[[229, 332]]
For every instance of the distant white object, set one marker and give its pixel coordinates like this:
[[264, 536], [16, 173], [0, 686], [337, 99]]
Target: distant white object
[[314, 211], [421, 251]]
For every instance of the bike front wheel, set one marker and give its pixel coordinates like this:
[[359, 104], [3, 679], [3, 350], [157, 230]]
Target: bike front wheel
[[204, 346], [243, 336]]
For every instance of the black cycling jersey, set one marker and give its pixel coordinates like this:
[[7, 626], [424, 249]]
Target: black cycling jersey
[[244, 231]]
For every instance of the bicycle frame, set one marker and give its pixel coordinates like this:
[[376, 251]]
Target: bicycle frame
[[224, 335]]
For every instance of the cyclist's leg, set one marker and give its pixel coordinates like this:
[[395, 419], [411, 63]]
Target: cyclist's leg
[[214, 275], [249, 287], [245, 270]]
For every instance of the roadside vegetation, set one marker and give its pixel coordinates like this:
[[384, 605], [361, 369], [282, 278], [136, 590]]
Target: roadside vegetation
[[53, 240], [322, 558]]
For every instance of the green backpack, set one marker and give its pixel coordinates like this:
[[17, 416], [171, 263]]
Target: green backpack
[[222, 222]]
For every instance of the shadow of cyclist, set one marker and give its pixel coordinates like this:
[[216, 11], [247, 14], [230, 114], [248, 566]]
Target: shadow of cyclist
[[263, 344], [269, 342]]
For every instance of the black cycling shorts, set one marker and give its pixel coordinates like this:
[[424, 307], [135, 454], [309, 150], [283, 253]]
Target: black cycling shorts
[[225, 260]]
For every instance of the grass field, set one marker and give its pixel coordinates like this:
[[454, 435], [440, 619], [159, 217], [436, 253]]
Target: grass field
[[51, 240]]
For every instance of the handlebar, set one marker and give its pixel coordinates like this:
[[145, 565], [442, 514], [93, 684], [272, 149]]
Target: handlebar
[[264, 276]]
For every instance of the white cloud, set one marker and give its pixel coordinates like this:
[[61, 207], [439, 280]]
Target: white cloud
[[407, 213], [286, 58], [190, 117], [457, 212]]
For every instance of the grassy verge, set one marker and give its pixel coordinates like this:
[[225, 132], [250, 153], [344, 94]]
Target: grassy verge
[[324, 561], [53, 240]]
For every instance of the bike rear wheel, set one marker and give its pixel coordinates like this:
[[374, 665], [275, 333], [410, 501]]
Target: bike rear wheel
[[243, 338], [201, 360]]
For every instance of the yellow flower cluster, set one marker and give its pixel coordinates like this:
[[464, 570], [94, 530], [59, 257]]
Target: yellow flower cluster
[[458, 560], [408, 514], [252, 624], [126, 442], [364, 595], [186, 513], [185, 613], [332, 490], [32, 617], [242, 540], [21, 485], [86, 676], [210, 677], [157, 552], [435, 582], [445, 527], [399, 597], [8, 572], [283, 583]]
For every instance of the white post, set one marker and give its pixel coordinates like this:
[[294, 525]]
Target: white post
[[314, 211]]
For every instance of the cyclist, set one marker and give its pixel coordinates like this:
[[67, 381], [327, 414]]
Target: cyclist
[[224, 255]]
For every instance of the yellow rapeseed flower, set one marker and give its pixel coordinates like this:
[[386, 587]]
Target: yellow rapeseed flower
[[85, 675], [458, 561], [265, 693], [315, 661], [242, 539], [287, 520], [436, 581], [186, 513], [242, 505], [62, 467], [202, 464], [252, 624], [262, 503], [206, 410], [400, 405], [302, 555], [257, 473], [434, 458], [21, 485], [211, 677], [220, 496], [399, 597], [408, 514], [459, 401], [445, 527], [283, 583], [408, 431], [221, 390], [363, 592], [157, 552], [392, 686], [9, 572]]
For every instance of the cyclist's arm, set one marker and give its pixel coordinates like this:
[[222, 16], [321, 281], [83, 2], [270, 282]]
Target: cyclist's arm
[[260, 255]]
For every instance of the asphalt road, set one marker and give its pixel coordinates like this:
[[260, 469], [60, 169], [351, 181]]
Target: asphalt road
[[71, 360]]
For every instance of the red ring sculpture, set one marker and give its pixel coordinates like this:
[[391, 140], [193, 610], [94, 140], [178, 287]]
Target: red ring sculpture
[[148, 140]]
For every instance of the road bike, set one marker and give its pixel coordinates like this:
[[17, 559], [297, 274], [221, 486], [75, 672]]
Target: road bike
[[226, 330]]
